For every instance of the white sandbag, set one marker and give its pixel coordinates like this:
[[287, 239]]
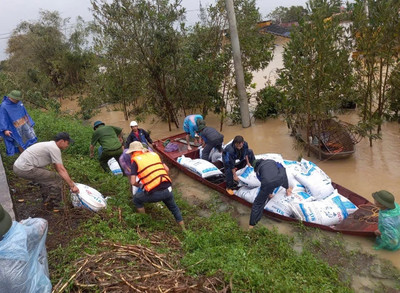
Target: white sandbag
[[293, 166], [247, 177], [201, 167], [329, 211], [248, 194], [310, 167], [270, 156], [214, 155], [280, 202], [137, 189], [316, 184], [88, 198], [114, 166]]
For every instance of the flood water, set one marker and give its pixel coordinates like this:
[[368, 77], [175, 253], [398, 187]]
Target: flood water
[[368, 170]]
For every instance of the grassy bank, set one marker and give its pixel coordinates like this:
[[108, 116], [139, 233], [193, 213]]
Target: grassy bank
[[260, 260]]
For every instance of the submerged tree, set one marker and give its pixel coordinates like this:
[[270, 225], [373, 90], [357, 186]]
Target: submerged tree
[[317, 74], [377, 40], [149, 38]]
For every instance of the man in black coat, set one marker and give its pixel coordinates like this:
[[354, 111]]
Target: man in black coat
[[237, 150], [138, 134], [271, 175], [210, 138]]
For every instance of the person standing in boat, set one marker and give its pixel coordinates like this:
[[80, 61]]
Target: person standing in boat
[[190, 127], [271, 175], [138, 134], [153, 178], [237, 150], [210, 138], [388, 233]]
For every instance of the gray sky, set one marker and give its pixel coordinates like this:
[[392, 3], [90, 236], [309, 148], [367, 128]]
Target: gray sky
[[12, 12]]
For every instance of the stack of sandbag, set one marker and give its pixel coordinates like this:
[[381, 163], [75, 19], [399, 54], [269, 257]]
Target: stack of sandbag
[[313, 197], [201, 167], [329, 211]]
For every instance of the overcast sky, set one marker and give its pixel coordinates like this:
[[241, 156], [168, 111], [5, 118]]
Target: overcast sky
[[12, 12]]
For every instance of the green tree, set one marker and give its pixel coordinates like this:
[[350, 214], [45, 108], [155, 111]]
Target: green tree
[[285, 14], [44, 61], [376, 36], [317, 74], [148, 35]]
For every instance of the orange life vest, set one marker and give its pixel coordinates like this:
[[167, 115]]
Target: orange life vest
[[151, 171]]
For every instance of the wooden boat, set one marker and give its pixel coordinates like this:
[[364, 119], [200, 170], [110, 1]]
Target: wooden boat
[[328, 140], [362, 223]]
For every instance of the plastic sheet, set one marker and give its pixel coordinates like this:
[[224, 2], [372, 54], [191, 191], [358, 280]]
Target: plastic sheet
[[23, 258], [389, 226]]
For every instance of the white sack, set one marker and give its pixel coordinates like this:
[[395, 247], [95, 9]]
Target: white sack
[[247, 177], [114, 166], [88, 198], [330, 211], [270, 156], [201, 167]]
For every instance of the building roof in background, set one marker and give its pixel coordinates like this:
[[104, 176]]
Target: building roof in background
[[277, 30]]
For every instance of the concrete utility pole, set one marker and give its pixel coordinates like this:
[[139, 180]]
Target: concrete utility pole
[[237, 60]]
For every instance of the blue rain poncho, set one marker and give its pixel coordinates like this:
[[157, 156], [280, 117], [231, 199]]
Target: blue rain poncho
[[389, 226], [23, 258], [14, 117]]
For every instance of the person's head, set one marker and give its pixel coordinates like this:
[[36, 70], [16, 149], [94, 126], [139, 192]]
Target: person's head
[[201, 124], [97, 124], [134, 126], [238, 142], [5, 221], [15, 96], [63, 140], [384, 199], [136, 146]]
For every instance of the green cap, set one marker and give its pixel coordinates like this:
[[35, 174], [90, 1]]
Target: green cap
[[16, 95], [5, 221], [385, 198]]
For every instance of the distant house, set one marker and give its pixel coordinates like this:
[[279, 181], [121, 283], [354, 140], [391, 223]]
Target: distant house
[[278, 30]]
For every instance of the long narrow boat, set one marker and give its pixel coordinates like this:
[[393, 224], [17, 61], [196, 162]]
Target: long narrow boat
[[361, 223]]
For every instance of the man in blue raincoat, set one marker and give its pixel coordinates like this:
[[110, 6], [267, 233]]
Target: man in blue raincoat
[[16, 126]]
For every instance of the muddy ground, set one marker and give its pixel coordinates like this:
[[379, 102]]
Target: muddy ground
[[365, 273]]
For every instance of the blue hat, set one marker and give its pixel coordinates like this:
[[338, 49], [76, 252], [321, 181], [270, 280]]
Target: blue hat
[[97, 123]]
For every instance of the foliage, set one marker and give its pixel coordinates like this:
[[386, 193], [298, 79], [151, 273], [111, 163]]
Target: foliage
[[257, 261], [269, 103], [144, 35], [43, 60], [394, 94], [284, 14], [49, 124], [376, 40], [317, 74]]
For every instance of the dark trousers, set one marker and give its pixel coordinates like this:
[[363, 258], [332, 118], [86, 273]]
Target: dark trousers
[[261, 200], [164, 195], [209, 146], [240, 165], [106, 155], [50, 182]]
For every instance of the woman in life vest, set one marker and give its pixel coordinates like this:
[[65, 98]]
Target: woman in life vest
[[154, 179]]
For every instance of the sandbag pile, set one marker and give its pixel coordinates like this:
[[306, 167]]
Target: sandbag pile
[[313, 198]]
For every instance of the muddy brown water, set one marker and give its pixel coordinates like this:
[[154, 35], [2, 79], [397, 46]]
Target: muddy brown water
[[368, 170]]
